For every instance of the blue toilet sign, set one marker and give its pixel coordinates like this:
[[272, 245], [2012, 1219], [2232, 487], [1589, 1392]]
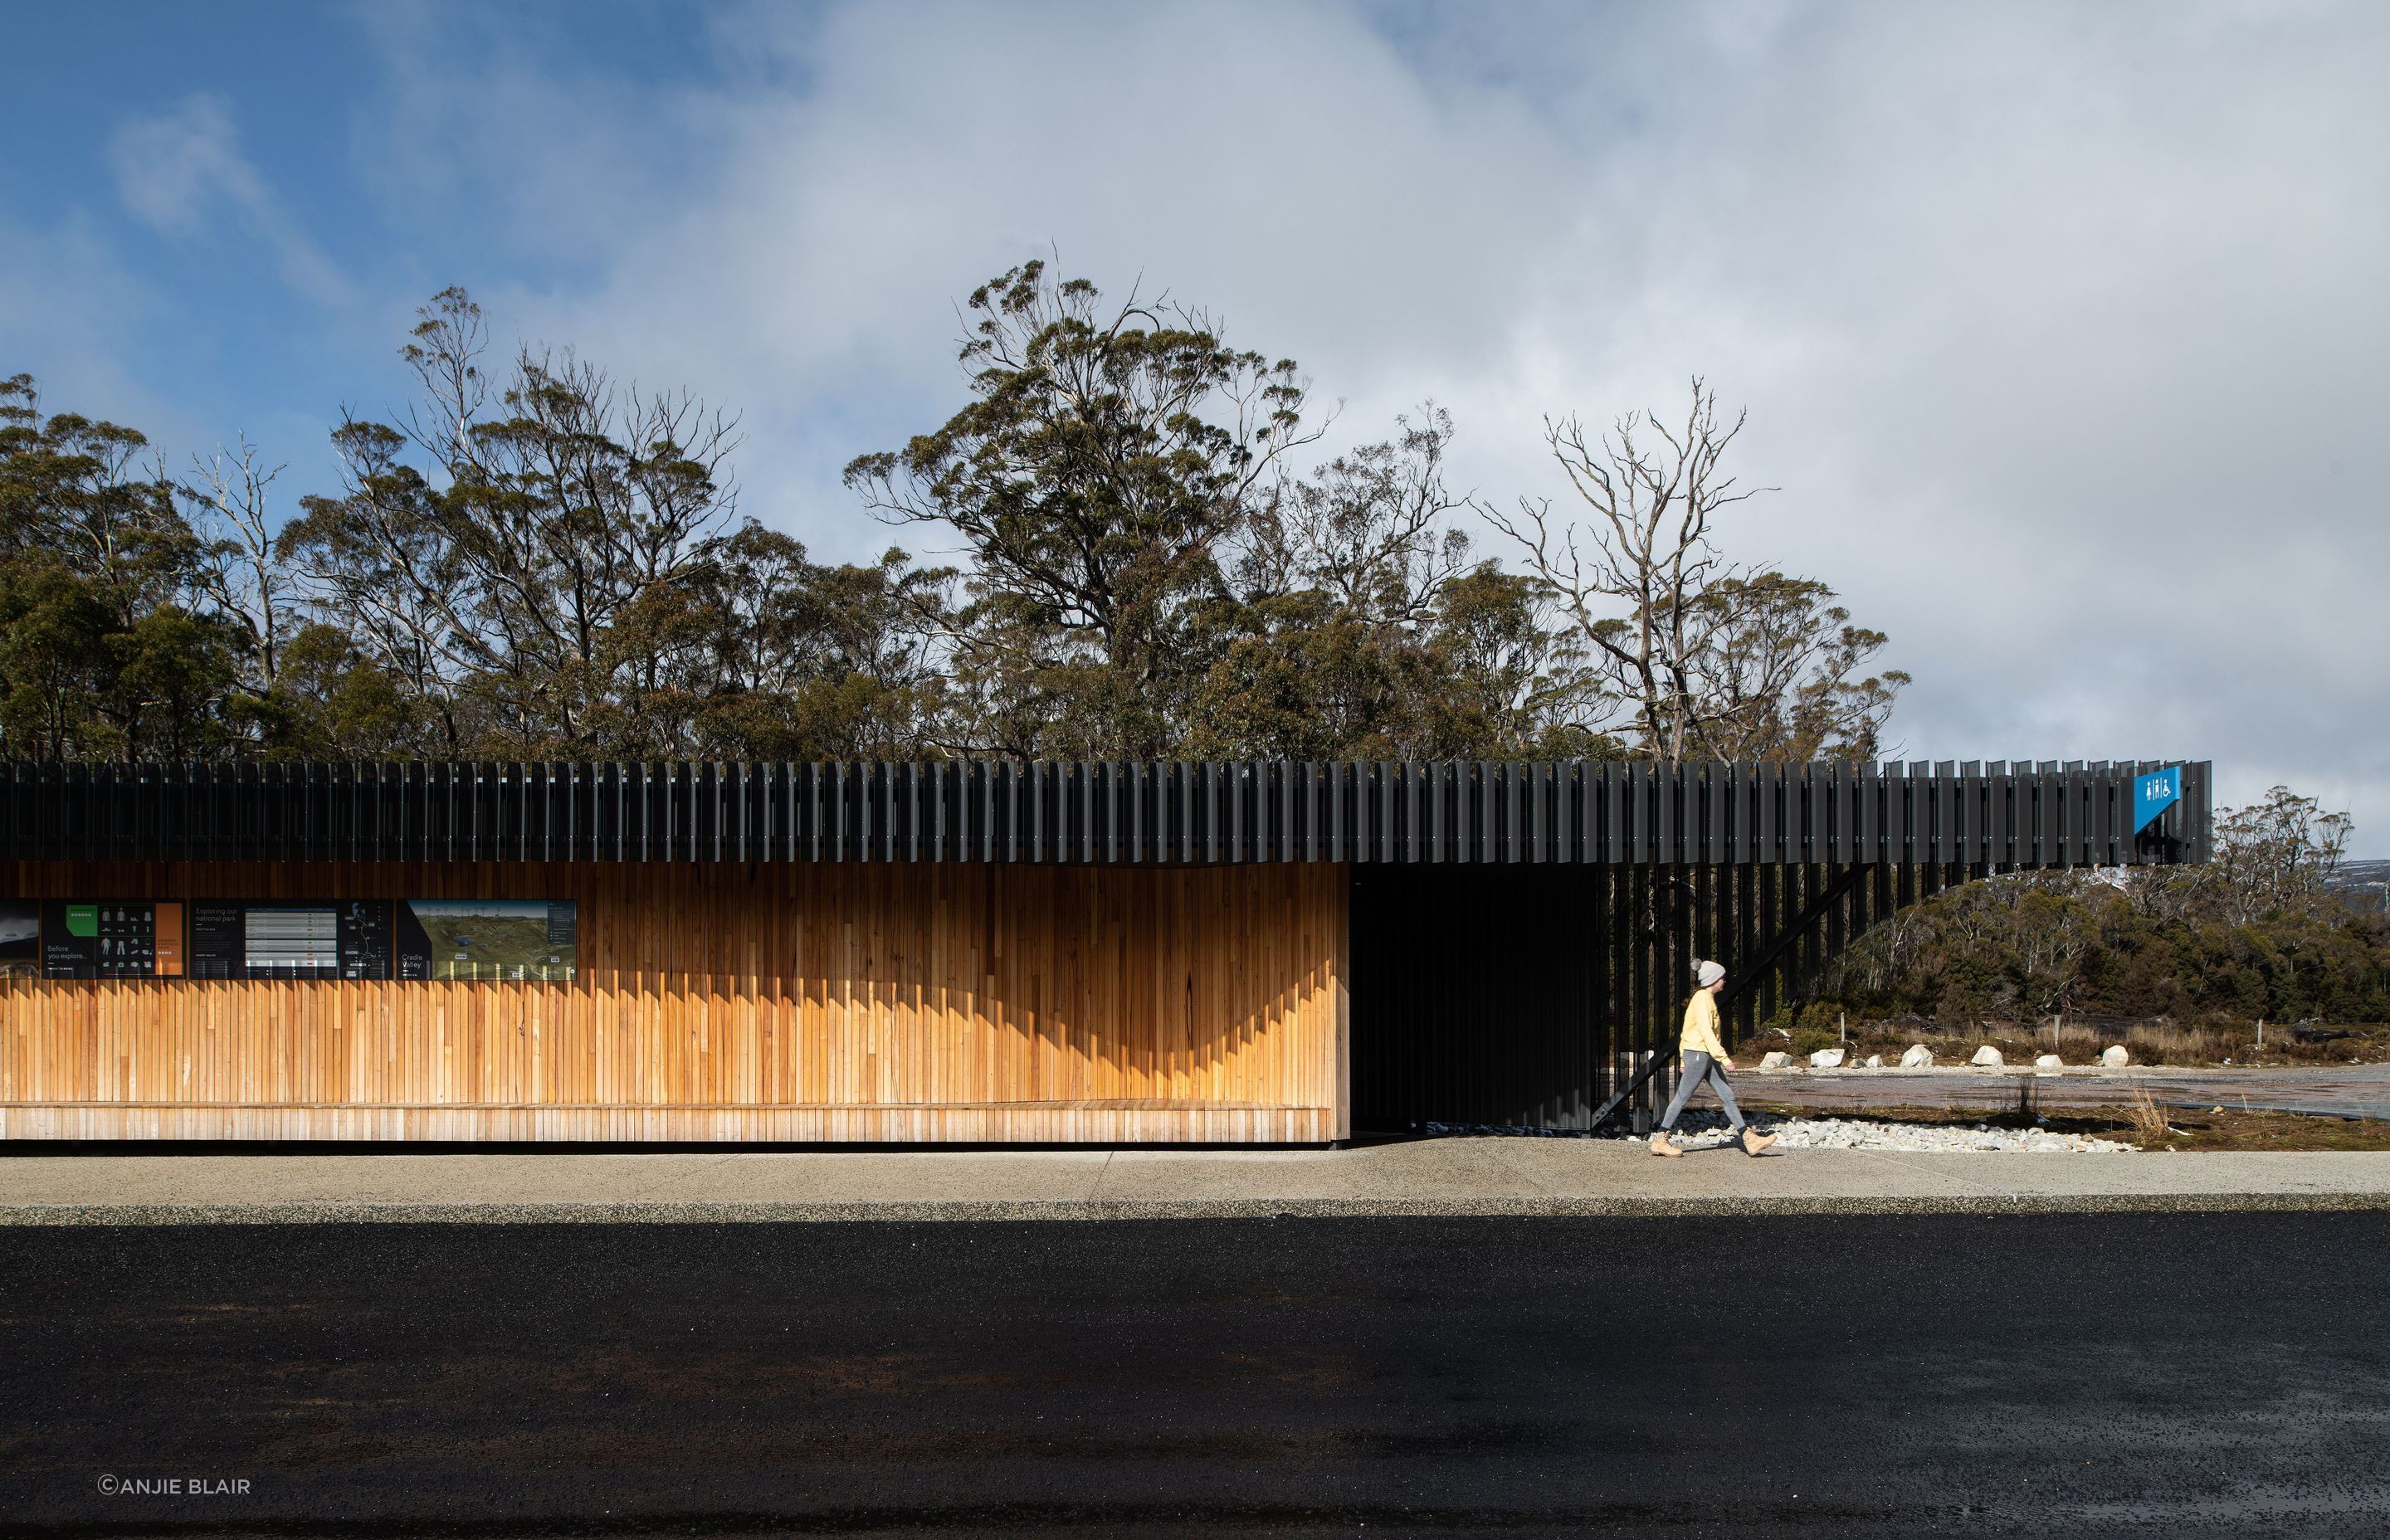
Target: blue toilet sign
[[2154, 793]]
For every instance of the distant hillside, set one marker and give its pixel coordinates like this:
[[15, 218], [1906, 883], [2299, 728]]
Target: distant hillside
[[2363, 885]]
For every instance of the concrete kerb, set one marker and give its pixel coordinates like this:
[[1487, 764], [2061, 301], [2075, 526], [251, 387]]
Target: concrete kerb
[[153, 1215], [1433, 1178]]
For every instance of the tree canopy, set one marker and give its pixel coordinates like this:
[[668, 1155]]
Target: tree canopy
[[1152, 554]]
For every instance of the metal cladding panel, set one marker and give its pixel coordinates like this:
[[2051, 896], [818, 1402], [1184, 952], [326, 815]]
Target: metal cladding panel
[[1481, 836], [1865, 802], [1997, 789], [1831, 832], [1563, 798], [1809, 834], [1666, 800], [1770, 849], [1995, 816]]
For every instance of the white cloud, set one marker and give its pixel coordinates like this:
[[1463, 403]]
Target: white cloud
[[73, 317], [2059, 328], [180, 172]]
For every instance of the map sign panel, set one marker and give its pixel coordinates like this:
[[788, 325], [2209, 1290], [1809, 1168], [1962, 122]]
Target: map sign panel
[[508, 940]]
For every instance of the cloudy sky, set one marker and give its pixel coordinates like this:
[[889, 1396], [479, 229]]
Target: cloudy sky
[[2062, 330]]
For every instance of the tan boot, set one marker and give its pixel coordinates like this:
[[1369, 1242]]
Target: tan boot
[[1754, 1141], [1660, 1144]]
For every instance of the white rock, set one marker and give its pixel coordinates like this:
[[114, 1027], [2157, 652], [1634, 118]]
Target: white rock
[[2049, 1062], [1776, 1062], [1875, 1061], [2115, 1057], [1987, 1057], [1919, 1057], [1826, 1059]]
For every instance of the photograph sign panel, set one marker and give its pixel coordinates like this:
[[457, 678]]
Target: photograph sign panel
[[20, 938], [510, 940]]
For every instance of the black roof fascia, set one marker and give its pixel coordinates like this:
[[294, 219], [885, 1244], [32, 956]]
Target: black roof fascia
[[1994, 816]]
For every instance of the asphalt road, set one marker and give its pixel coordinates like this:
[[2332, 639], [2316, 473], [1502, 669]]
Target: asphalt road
[[2165, 1375]]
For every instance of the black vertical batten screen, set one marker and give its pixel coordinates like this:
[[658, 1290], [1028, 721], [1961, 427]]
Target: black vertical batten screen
[[1982, 818]]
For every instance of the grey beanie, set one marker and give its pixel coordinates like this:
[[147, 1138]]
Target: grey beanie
[[1709, 972]]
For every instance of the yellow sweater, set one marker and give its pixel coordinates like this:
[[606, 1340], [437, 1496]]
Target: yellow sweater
[[1701, 1026]]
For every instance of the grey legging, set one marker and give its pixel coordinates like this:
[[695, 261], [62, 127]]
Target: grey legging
[[1700, 1067]]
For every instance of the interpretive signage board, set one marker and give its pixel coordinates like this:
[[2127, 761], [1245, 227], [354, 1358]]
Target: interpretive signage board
[[513, 941], [333, 939], [498, 940], [20, 938], [111, 939]]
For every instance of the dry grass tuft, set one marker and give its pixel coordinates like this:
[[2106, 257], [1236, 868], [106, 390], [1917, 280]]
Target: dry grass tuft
[[2079, 1040], [2159, 1043], [2149, 1122]]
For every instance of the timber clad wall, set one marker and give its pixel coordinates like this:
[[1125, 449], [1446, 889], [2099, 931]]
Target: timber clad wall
[[780, 1002]]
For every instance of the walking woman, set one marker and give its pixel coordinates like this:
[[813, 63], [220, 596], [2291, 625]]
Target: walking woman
[[1705, 1059]]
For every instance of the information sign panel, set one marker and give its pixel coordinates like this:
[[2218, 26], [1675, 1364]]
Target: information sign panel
[[508, 940], [20, 938], [111, 939], [334, 939], [2154, 793]]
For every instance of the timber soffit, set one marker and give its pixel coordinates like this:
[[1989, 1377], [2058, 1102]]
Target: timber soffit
[[1992, 815]]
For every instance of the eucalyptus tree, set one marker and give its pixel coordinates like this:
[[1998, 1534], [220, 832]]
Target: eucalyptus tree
[[490, 550], [1364, 625], [1108, 456], [1697, 656], [810, 661], [107, 648]]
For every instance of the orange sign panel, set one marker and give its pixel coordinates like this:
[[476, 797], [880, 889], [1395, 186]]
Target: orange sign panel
[[170, 941]]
